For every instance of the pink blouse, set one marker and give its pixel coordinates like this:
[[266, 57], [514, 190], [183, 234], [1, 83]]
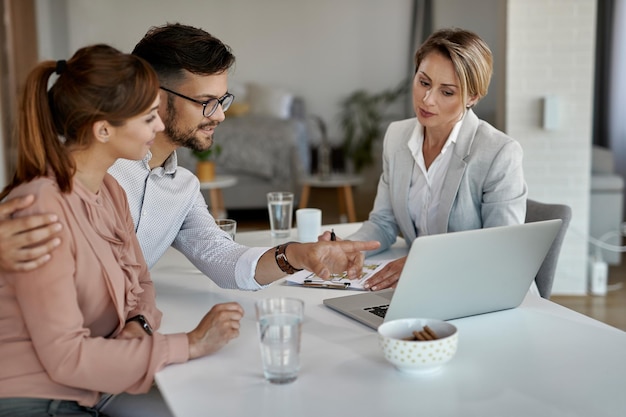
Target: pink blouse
[[58, 323]]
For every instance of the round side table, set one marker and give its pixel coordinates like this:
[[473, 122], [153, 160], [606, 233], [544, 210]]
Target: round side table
[[343, 183], [216, 199]]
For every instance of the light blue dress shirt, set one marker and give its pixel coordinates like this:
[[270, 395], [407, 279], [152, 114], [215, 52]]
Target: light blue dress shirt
[[168, 209]]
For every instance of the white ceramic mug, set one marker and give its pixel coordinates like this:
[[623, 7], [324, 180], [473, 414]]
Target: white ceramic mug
[[309, 223]]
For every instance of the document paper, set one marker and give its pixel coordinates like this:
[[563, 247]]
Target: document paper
[[338, 281]]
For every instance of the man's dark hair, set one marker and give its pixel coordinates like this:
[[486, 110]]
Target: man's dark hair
[[172, 48]]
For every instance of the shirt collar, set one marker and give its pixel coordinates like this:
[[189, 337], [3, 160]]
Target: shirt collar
[[416, 141], [169, 167]]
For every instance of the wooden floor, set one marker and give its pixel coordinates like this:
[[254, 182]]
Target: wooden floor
[[610, 309]]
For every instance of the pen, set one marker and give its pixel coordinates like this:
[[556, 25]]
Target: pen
[[333, 237], [325, 284]]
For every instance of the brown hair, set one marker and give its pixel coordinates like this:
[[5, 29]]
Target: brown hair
[[173, 48], [97, 83], [470, 56]]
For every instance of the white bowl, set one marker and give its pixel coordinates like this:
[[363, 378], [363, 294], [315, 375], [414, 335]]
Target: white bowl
[[414, 356]]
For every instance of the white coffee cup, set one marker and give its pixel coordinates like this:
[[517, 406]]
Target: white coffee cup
[[309, 223]]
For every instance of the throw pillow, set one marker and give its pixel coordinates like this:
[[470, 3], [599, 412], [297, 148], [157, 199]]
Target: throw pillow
[[269, 101]]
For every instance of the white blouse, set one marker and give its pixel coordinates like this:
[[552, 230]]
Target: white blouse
[[426, 184]]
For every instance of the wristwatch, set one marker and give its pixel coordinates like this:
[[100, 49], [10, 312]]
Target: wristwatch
[[281, 259], [142, 321]]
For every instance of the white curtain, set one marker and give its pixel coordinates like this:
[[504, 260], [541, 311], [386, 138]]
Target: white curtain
[[420, 30], [617, 94], [616, 112]]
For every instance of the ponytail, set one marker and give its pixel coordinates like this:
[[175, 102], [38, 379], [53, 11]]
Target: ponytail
[[97, 83], [39, 147]]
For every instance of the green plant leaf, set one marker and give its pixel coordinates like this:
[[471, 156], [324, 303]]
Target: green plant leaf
[[360, 120], [208, 154]]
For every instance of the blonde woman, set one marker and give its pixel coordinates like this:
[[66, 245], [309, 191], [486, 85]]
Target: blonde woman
[[445, 170]]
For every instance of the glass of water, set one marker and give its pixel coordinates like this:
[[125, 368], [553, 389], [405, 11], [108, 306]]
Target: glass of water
[[227, 225], [280, 324], [280, 208]]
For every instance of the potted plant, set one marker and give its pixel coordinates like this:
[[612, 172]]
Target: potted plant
[[205, 166], [361, 118]]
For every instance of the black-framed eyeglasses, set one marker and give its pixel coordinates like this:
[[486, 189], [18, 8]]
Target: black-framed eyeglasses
[[209, 106]]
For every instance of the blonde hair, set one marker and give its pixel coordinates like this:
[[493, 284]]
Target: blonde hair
[[470, 56]]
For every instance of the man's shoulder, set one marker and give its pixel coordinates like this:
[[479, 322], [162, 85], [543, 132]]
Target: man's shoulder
[[126, 171]]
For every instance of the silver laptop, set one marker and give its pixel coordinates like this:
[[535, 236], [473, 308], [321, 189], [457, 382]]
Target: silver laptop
[[459, 274]]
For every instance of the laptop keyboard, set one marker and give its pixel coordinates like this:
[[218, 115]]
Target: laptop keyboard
[[378, 310]]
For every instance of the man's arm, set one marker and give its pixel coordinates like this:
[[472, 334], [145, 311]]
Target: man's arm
[[26, 242], [323, 258]]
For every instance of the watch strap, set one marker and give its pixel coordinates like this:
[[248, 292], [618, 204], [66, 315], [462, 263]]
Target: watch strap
[[143, 322], [281, 259]]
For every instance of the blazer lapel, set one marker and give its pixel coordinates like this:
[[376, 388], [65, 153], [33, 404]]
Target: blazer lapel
[[462, 150], [406, 165]]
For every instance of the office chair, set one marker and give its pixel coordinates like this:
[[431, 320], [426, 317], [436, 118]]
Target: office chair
[[536, 211]]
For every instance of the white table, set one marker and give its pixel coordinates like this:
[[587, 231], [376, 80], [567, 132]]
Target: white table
[[215, 193], [540, 359]]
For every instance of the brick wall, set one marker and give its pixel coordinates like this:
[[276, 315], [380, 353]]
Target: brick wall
[[550, 51]]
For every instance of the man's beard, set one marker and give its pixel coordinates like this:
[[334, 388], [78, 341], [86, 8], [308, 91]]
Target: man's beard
[[185, 138]]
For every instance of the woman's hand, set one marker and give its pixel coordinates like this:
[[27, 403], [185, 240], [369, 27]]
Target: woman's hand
[[26, 242], [219, 326], [327, 237], [387, 277]]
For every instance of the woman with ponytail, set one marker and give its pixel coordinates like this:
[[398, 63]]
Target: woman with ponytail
[[85, 323]]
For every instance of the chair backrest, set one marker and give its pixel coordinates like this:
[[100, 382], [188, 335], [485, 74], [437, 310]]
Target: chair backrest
[[536, 211]]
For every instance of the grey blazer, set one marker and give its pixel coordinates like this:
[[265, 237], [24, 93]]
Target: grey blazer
[[484, 185]]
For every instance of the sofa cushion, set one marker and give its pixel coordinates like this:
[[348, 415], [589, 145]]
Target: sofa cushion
[[270, 101]]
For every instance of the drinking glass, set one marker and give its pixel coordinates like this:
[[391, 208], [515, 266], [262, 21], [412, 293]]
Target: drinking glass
[[280, 208], [227, 225], [280, 325]]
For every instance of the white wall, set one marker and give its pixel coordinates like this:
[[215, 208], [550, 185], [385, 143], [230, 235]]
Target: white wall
[[322, 50]]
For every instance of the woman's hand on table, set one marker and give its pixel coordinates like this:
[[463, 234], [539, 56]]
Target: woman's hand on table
[[219, 326], [387, 277]]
